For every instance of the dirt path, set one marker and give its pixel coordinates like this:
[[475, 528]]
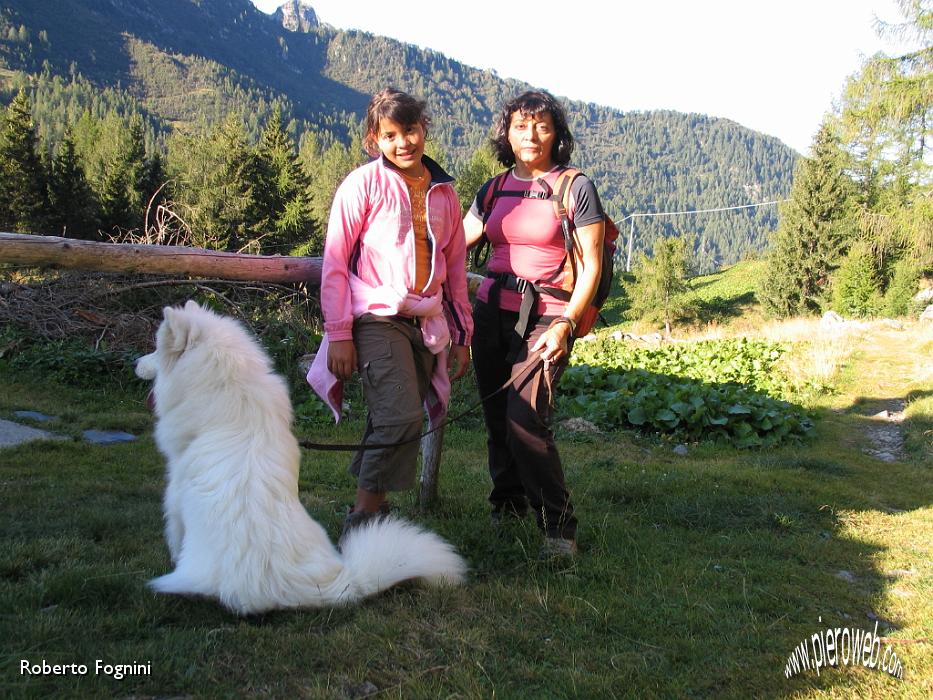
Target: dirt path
[[886, 368], [886, 441]]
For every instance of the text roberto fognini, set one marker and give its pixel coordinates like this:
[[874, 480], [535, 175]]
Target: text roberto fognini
[[98, 668]]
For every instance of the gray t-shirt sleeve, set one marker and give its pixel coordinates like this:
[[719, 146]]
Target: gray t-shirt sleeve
[[588, 209]]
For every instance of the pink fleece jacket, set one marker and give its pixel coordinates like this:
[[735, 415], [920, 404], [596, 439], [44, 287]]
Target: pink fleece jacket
[[369, 265], [370, 233]]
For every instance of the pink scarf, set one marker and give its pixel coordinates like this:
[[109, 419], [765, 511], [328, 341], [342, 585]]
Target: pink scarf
[[387, 301]]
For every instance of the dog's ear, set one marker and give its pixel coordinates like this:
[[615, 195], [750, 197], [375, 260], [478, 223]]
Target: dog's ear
[[178, 333], [192, 305]]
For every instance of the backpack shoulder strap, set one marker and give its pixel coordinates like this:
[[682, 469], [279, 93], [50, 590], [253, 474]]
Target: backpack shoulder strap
[[489, 192], [560, 198], [561, 194]]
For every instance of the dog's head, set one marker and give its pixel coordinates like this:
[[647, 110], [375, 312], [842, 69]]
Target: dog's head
[[178, 332], [209, 371]]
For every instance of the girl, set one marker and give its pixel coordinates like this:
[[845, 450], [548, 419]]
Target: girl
[[393, 295]]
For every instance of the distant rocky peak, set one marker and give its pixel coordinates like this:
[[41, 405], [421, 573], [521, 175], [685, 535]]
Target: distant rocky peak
[[296, 16]]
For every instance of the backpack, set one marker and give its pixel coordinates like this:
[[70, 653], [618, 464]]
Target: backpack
[[559, 196]]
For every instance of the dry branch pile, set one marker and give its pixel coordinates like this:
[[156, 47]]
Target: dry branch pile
[[120, 312]]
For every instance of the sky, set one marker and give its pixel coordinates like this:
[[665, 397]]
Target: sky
[[775, 67]]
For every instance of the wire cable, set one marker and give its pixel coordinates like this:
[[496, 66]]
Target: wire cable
[[701, 211]]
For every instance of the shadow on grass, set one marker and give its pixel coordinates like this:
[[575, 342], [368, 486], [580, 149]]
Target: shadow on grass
[[767, 543], [870, 405], [907, 421], [723, 308]]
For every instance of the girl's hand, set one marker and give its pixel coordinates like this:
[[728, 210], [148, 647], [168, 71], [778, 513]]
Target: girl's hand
[[341, 358], [553, 342], [459, 361]]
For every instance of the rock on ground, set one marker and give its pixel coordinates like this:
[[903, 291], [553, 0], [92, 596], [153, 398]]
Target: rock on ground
[[12, 434]]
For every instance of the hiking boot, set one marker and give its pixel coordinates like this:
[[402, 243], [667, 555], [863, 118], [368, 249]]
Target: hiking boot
[[557, 548]]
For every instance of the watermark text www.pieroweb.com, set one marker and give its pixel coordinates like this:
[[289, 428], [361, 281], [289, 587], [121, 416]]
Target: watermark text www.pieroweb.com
[[846, 646]]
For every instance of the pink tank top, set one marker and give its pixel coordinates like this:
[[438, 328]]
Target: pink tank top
[[526, 242]]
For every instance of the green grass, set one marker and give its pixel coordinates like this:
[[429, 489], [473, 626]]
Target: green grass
[[919, 408], [729, 293], [720, 297], [733, 282], [698, 574]]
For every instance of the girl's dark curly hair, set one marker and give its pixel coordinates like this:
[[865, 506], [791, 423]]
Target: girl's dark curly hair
[[532, 103], [395, 105]]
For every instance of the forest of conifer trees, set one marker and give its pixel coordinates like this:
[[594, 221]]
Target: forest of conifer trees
[[857, 234], [111, 173]]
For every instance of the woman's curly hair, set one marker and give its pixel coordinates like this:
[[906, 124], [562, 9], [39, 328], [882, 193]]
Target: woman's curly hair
[[532, 103]]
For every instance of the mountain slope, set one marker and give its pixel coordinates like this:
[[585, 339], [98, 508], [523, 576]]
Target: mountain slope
[[192, 61]]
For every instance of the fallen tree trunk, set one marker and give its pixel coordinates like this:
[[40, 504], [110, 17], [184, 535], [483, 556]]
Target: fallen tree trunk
[[69, 253]]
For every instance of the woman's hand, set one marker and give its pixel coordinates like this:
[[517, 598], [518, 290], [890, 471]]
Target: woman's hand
[[553, 343], [459, 360], [341, 358]]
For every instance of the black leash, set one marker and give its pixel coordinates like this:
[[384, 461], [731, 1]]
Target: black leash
[[522, 370]]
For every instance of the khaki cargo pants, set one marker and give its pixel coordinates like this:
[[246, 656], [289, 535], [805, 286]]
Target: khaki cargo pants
[[395, 369]]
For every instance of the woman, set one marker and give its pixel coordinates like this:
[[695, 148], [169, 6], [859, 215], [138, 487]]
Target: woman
[[533, 140]]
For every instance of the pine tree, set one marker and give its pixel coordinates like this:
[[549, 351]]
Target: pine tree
[[113, 194], [898, 297], [217, 183], [660, 291], [22, 174], [327, 169], [886, 122], [887, 111], [705, 261], [137, 168], [283, 195], [122, 189], [814, 229], [153, 184], [237, 211], [856, 288], [311, 154], [72, 205]]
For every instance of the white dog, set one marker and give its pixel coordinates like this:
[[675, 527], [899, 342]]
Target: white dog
[[234, 525]]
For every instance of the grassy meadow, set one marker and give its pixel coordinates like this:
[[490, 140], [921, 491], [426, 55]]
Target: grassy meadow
[[698, 576]]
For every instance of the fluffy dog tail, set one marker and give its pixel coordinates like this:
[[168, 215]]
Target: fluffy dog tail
[[383, 552]]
